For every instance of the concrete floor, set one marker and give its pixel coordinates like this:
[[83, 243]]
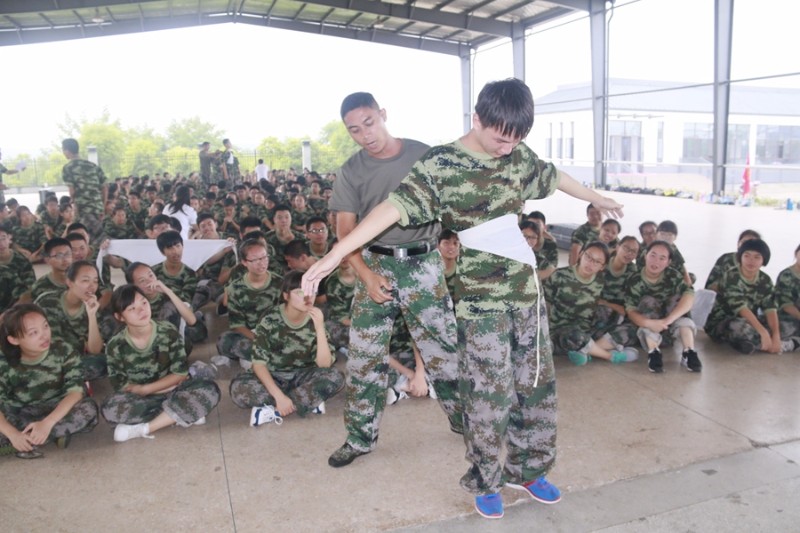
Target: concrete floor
[[715, 451]]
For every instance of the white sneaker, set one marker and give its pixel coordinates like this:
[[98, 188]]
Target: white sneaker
[[431, 391], [125, 432], [391, 396], [245, 364], [200, 422], [401, 385], [320, 409], [220, 360], [264, 415]]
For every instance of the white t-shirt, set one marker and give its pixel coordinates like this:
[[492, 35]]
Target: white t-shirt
[[187, 217], [262, 171]]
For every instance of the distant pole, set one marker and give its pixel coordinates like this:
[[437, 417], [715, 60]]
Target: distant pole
[[307, 155], [92, 155]]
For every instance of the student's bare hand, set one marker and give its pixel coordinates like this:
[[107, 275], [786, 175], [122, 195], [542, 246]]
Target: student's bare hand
[[135, 389], [92, 305], [609, 207], [105, 244], [38, 432], [378, 288], [158, 286], [316, 316], [285, 406], [318, 271], [21, 441], [417, 386]]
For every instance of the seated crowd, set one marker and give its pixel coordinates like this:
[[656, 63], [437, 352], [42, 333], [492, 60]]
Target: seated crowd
[[71, 327]]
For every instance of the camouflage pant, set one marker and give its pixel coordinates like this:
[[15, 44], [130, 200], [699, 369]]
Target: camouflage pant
[[502, 406], [235, 345], [307, 388], [338, 333], [94, 224], [421, 297], [82, 418], [185, 404], [736, 331], [207, 292], [192, 334], [789, 328], [94, 367], [652, 308]]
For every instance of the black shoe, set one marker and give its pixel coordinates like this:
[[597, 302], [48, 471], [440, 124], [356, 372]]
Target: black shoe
[[345, 455], [655, 362], [63, 442], [691, 361], [222, 310], [456, 426], [745, 347]]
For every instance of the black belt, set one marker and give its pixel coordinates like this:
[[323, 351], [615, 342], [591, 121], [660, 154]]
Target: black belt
[[399, 253]]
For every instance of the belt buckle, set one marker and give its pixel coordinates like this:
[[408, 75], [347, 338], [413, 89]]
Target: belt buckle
[[400, 253]]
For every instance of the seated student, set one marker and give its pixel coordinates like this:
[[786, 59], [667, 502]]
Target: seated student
[[658, 301], [175, 275], [51, 216], [546, 246], [82, 251], [73, 316], [136, 213], [158, 225], [165, 305], [317, 236], [449, 248], [609, 230], [667, 231], [67, 216], [16, 273], [29, 235], [647, 230], [728, 260], [57, 253], [283, 234], [149, 370], [250, 297], [339, 289], [787, 299], [585, 233], [300, 212], [572, 294], [41, 385], [744, 314], [216, 271], [298, 257], [117, 225], [611, 306], [227, 223], [153, 211], [292, 360], [532, 233]]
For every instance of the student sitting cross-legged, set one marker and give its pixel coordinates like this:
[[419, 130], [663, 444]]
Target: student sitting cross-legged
[[292, 360], [149, 372], [41, 386]]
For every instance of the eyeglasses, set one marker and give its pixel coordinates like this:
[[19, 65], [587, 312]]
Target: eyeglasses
[[629, 249], [63, 255], [258, 259], [594, 260], [318, 230]]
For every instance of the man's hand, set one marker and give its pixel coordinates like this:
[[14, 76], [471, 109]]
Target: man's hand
[[609, 207], [318, 271], [378, 287]]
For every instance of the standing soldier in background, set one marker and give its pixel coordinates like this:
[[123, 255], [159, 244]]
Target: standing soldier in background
[[206, 159], [3, 186], [87, 188]]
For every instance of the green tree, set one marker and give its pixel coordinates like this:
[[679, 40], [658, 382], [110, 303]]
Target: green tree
[[190, 132], [103, 133], [281, 154], [179, 159], [142, 156], [333, 147]]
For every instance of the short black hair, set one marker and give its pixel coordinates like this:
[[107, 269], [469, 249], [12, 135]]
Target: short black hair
[[667, 226], [507, 106], [749, 233], [537, 215], [754, 245], [123, 297], [53, 243], [599, 246], [646, 223], [296, 249], [315, 219], [291, 280], [447, 234], [13, 326], [158, 219], [356, 100], [168, 239], [204, 216], [132, 268], [70, 145], [612, 222], [665, 244], [74, 268]]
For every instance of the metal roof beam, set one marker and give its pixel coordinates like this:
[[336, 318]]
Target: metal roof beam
[[580, 5], [8, 7], [430, 16]]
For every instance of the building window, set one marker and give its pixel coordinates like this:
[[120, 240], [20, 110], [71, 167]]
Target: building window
[[660, 143], [625, 146], [570, 142], [548, 142], [778, 145], [698, 142], [559, 139]]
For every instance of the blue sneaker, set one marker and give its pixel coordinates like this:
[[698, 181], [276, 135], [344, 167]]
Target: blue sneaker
[[579, 358], [490, 505], [540, 490]]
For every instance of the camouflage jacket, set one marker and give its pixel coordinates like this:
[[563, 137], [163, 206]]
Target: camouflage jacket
[[282, 346], [735, 293], [572, 300], [54, 375], [163, 355]]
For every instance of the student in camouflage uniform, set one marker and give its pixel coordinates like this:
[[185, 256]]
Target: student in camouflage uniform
[[744, 313], [136, 213], [573, 294], [340, 287], [585, 233], [787, 299], [658, 301], [117, 226], [282, 235], [292, 360], [507, 380], [727, 261], [667, 231], [41, 385], [450, 248], [609, 230], [546, 247], [647, 230], [73, 317], [16, 273], [51, 216], [175, 275], [29, 236], [250, 297], [149, 372], [57, 253], [3, 186], [610, 313], [532, 233], [87, 188], [317, 236], [216, 271], [400, 273]]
